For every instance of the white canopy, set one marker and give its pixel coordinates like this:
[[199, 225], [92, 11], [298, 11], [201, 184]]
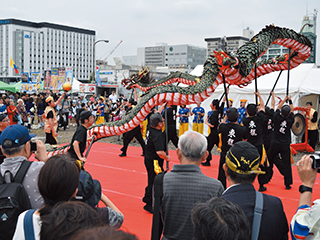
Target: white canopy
[[75, 85]]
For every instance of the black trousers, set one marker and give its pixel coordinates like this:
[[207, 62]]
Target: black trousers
[[212, 139], [128, 136], [283, 163], [221, 174], [312, 138], [262, 178], [50, 138], [172, 135], [269, 171], [148, 196]]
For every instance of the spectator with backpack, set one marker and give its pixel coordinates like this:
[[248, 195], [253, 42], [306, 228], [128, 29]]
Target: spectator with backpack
[[16, 146], [58, 181]]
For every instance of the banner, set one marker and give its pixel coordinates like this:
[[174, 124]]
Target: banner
[[98, 76], [69, 75], [87, 88], [47, 80], [26, 84], [61, 77], [54, 79], [36, 79]]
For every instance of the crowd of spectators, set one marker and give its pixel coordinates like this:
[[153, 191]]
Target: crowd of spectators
[[22, 108]]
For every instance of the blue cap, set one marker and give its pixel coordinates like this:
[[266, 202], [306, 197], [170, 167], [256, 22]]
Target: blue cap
[[15, 136]]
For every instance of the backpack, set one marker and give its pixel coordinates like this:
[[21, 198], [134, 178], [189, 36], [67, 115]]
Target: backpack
[[13, 200]]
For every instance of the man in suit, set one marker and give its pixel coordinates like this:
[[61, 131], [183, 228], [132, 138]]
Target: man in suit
[[241, 169]]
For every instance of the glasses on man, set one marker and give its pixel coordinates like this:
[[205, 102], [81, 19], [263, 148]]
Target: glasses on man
[[6, 120]]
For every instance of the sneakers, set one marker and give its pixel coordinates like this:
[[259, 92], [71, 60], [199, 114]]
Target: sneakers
[[206, 164], [288, 187], [148, 208], [262, 188], [122, 155]]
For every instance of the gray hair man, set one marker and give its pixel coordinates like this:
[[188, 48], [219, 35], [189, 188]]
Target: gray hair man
[[185, 186]]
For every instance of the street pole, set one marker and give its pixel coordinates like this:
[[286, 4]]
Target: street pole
[[93, 59], [307, 24]]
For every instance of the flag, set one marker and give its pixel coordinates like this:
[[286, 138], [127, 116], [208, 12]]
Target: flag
[[13, 65]]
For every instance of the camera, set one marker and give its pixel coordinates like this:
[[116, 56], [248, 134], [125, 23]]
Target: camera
[[33, 146], [315, 160]]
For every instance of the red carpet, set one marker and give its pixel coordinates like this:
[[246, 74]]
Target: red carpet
[[124, 179]]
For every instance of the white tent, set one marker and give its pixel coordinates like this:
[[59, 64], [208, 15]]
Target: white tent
[[75, 85], [303, 81]]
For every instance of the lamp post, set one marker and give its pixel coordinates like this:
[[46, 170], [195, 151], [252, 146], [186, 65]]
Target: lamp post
[[94, 62], [77, 71], [307, 24]]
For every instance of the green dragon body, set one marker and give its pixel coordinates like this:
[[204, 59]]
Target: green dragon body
[[238, 70]]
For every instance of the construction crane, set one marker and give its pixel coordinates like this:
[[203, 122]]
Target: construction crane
[[112, 51]]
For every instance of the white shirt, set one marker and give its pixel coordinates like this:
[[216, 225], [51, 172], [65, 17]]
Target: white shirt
[[113, 98], [19, 232]]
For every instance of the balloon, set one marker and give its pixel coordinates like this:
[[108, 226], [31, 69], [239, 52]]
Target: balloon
[[66, 86]]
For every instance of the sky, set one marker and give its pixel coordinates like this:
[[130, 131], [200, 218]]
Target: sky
[[143, 23]]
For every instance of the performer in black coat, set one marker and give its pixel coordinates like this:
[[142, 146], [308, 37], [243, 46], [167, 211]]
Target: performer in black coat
[[134, 133], [254, 132], [172, 130], [280, 144], [231, 133], [213, 121]]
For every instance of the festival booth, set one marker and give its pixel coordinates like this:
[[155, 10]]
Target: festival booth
[[7, 87], [303, 87], [75, 85]]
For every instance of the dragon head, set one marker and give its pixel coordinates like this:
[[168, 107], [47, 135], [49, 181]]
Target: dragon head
[[143, 76], [225, 60]]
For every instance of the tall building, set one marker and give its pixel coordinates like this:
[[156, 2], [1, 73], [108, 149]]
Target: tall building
[[173, 56], [226, 44], [35, 47], [308, 27], [154, 56], [184, 56]]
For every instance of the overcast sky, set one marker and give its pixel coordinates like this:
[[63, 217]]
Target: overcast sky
[[143, 23]]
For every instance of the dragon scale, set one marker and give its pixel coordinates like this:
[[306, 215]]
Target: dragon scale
[[238, 70]]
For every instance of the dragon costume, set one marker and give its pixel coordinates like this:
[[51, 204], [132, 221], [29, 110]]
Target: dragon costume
[[237, 68]]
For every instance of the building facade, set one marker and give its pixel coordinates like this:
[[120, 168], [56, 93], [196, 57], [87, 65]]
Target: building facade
[[172, 56], [309, 25], [184, 56], [226, 44], [35, 47]]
